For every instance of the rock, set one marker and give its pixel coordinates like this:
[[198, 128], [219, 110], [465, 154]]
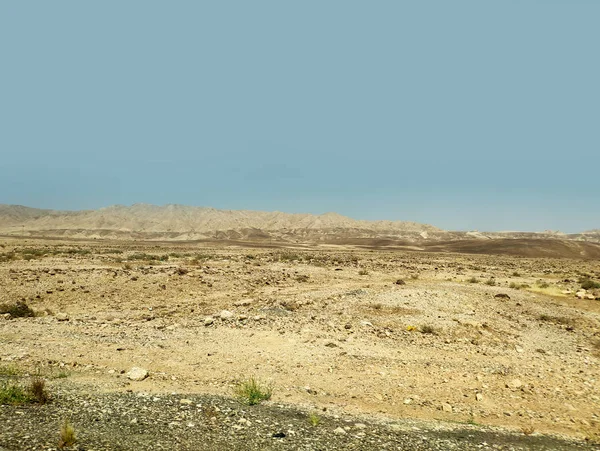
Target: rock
[[340, 431], [348, 326], [186, 402], [479, 397], [515, 383], [208, 320], [243, 302], [62, 317], [502, 296], [519, 349], [581, 294], [225, 315], [400, 282], [6, 316], [137, 374], [447, 407], [360, 426], [408, 401]]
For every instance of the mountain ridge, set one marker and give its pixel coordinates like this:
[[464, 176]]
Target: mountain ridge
[[182, 222]]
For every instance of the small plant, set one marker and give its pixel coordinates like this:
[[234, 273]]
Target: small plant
[[127, 267], [67, 435], [490, 282], [377, 306], [414, 276], [17, 310], [252, 391], [182, 271], [589, 284], [9, 371], [427, 329], [302, 278], [13, 394], [473, 280], [38, 391], [363, 272], [516, 274], [543, 284], [314, 419], [516, 286]]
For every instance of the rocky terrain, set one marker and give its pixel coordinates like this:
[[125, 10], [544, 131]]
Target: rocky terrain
[[418, 347]]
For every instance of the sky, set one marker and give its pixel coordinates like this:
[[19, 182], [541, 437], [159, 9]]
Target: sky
[[468, 115]]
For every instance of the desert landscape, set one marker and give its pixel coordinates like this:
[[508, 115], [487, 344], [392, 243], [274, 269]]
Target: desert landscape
[[145, 329]]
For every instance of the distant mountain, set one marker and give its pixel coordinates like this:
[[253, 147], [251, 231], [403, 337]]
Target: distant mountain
[[189, 223], [179, 222]]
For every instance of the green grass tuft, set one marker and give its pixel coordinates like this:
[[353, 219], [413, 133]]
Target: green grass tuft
[[251, 391]]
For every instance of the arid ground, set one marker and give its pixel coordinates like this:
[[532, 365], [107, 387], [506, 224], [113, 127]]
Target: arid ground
[[457, 339]]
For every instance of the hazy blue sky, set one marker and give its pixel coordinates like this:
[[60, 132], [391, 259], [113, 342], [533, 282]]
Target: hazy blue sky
[[463, 114]]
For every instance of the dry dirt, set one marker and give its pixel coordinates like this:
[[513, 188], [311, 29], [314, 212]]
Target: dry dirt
[[384, 335]]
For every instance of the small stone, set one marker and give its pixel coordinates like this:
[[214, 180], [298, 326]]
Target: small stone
[[348, 326], [519, 349], [447, 407], [515, 383], [208, 320], [62, 317], [502, 296], [243, 302], [186, 402], [225, 315], [137, 374], [400, 282], [408, 401], [340, 431], [479, 397], [360, 426], [6, 316]]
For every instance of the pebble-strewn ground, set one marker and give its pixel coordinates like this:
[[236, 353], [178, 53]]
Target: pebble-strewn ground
[[471, 340]]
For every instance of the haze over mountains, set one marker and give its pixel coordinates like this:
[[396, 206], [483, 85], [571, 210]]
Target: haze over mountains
[[179, 222]]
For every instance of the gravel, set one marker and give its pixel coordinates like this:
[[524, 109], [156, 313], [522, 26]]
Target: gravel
[[135, 421]]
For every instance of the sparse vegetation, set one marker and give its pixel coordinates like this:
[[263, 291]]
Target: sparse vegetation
[[589, 284], [12, 393], [490, 282], [38, 390], [67, 435], [427, 329], [17, 310], [314, 419], [473, 280], [252, 391], [363, 272], [543, 284]]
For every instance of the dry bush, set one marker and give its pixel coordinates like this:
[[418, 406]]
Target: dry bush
[[17, 310], [67, 435], [38, 391]]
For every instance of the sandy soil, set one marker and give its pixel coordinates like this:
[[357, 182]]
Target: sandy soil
[[377, 333]]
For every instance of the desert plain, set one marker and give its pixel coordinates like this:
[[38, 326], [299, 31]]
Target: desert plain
[[442, 338]]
